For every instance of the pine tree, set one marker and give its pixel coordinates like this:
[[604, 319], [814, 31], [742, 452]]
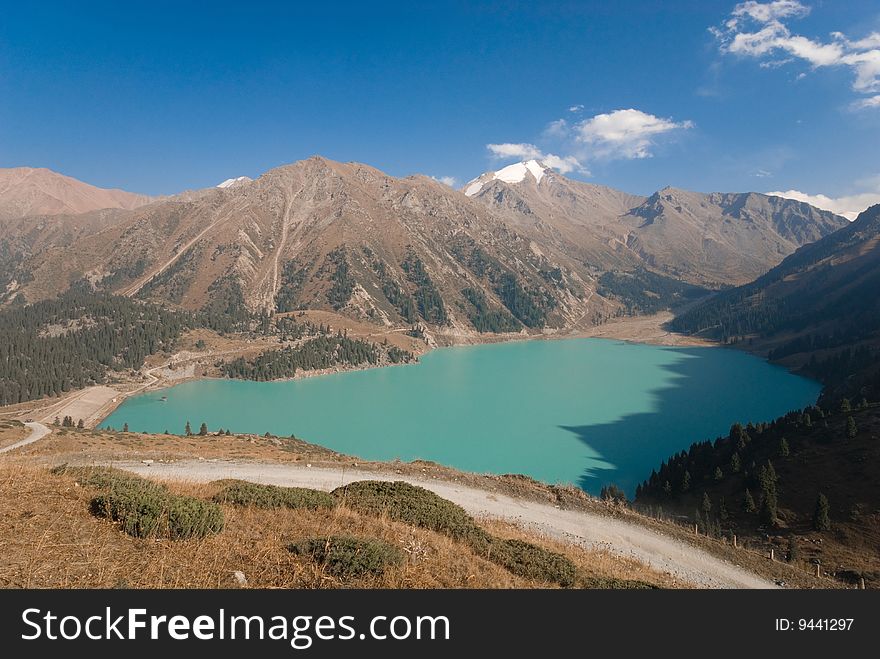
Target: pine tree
[[706, 505], [851, 428], [723, 514], [769, 512], [845, 406], [80, 424], [203, 429], [718, 474], [686, 481], [735, 463], [822, 515], [188, 429], [667, 488], [784, 451], [749, 502], [793, 553], [124, 427]]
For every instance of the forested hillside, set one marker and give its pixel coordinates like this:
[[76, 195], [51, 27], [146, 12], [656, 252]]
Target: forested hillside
[[819, 310], [71, 342], [314, 354]]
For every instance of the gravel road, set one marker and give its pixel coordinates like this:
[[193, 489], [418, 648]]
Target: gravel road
[[38, 431], [587, 529]]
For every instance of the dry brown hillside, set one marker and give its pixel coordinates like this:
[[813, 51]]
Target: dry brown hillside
[[28, 191]]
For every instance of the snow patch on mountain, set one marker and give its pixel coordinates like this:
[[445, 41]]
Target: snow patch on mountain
[[228, 183], [515, 173]]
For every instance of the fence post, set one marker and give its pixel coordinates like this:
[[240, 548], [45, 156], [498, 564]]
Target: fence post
[[818, 570], [734, 541], [696, 529], [772, 554]]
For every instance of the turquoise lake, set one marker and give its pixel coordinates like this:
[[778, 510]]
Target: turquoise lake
[[581, 411]]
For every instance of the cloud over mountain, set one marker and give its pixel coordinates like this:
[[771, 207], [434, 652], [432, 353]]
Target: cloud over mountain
[[760, 30]]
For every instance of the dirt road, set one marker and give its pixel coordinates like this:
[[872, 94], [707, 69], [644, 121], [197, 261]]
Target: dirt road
[[586, 529], [38, 431]]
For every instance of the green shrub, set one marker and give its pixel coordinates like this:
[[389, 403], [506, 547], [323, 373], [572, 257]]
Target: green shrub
[[242, 493], [189, 517], [413, 505], [347, 557], [420, 507], [145, 509], [532, 562], [613, 583], [99, 477]]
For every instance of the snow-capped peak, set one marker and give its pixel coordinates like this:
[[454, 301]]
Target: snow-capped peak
[[515, 173], [228, 183]]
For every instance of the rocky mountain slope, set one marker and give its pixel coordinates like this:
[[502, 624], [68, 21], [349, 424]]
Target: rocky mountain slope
[[26, 191], [706, 239], [523, 248], [321, 234], [819, 309]]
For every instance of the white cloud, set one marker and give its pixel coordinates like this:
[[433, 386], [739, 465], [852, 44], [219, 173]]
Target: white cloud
[[508, 150], [564, 164], [870, 102], [848, 206], [762, 173], [770, 11], [556, 129], [451, 181], [625, 133], [576, 108], [756, 29], [621, 134]]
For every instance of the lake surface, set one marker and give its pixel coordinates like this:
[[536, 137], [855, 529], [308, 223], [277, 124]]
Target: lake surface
[[582, 411]]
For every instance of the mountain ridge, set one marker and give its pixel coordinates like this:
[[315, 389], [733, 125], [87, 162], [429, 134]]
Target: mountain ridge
[[347, 237], [28, 191]]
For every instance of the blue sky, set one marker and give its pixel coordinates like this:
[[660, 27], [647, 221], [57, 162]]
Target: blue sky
[[702, 95]]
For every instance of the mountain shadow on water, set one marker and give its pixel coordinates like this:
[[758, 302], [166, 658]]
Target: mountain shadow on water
[[688, 408]]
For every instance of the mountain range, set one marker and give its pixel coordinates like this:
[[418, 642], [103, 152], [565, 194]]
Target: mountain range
[[523, 247], [818, 310]]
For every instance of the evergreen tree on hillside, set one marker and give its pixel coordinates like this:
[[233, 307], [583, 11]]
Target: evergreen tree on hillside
[[749, 502], [686, 481], [188, 429], [723, 514], [784, 451], [203, 429], [851, 428], [735, 463], [769, 513], [822, 515], [124, 427], [706, 505]]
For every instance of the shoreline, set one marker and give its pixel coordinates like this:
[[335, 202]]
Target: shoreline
[[97, 403]]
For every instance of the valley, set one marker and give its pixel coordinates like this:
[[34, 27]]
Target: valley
[[119, 310]]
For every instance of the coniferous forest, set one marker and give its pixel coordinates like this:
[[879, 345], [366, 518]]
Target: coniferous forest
[[55, 346], [317, 353], [79, 338]]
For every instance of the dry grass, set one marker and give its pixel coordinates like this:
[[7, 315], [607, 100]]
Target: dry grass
[[49, 539], [102, 447], [11, 432]]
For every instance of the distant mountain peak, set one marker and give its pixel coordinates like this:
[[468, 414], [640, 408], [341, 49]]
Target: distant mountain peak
[[228, 183], [515, 173], [28, 191]]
